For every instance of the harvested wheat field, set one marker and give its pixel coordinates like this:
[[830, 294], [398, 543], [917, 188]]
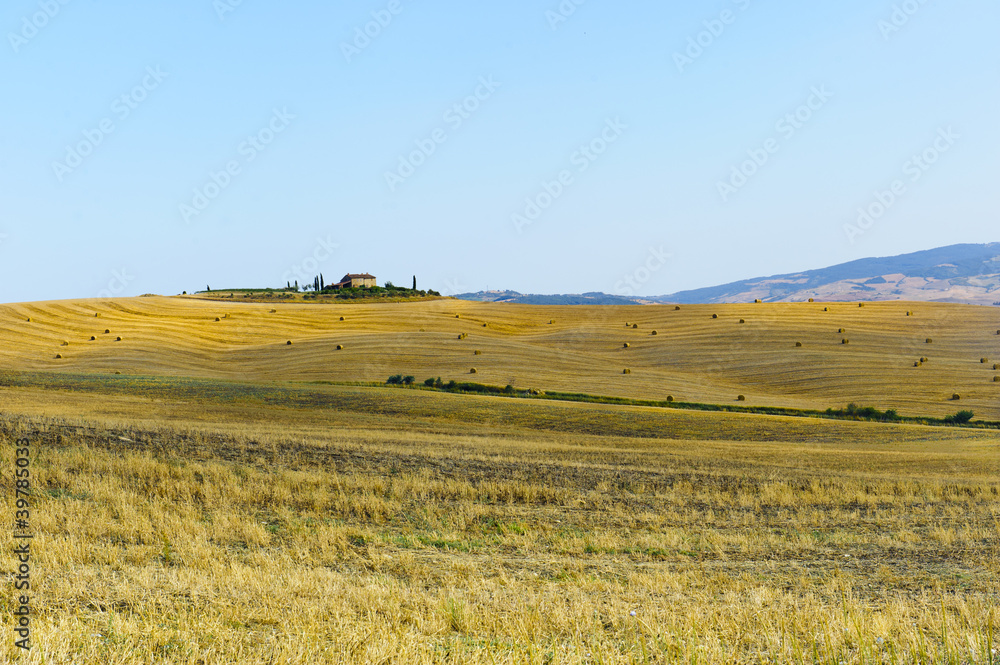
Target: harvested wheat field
[[228, 497]]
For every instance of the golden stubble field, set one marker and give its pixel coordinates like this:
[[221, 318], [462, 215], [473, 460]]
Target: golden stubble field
[[221, 513], [692, 357]]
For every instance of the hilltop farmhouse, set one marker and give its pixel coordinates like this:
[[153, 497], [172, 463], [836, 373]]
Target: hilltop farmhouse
[[355, 280]]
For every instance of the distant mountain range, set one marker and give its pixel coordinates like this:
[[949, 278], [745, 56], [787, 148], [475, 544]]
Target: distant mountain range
[[958, 273]]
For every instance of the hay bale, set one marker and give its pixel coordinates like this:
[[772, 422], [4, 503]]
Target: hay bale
[[670, 398], [477, 352], [463, 335], [58, 356], [995, 365], [715, 316], [64, 343], [473, 371], [484, 325], [106, 331], [340, 347], [635, 326], [984, 360], [845, 341], [118, 339], [956, 397], [29, 321], [798, 345], [551, 321], [826, 309], [272, 311], [757, 300], [96, 314], [742, 320], [841, 330], [741, 398], [288, 343], [811, 300], [923, 359], [996, 379], [677, 307], [861, 304], [916, 363], [117, 372], [909, 313], [627, 345], [457, 316], [92, 338], [626, 371], [653, 333], [929, 341], [341, 318], [217, 319]]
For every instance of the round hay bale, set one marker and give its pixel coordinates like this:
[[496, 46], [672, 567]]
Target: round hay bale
[[626, 371], [341, 318], [798, 345], [64, 343], [811, 300], [742, 320], [956, 397], [340, 347], [845, 341], [457, 316], [757, 300], [473, 370], [923, 359], [117, 372], [58, 356], [670, 398], [741, 398], [909, 313], [288, 343], [635, 326], [916, 363], [272, 311], [653, 333], [627, 345], [677, 307], [929, 341], [984, 360], [118, 339], [29, 321], [217, 319], [861, 304], [995, 365], [477, 352], [826, 309], [106, 331], [551, 321], [996, 379], [92, 338], [715, 316], [484, 325], [841, 330]]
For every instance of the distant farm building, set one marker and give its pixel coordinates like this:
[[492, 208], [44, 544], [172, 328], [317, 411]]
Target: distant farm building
[[355, 280]]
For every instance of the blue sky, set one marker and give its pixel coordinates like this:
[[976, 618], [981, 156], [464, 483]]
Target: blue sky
[[635, 147]]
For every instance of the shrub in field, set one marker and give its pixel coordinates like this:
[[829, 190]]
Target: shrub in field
[[864, 413], [395, 380], [408, 380], [960, 418]]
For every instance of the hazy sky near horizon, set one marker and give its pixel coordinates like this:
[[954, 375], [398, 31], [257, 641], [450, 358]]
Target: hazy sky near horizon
[[546, 147]]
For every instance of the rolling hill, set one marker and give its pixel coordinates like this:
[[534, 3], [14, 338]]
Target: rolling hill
[[749, 349]]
